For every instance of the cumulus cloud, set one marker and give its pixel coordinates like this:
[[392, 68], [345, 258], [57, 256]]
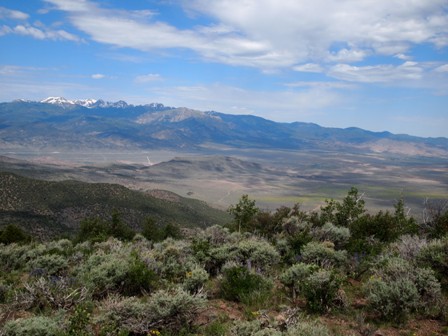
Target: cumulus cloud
[[377, 73], [40, 33], [264, 34], [12, 14]]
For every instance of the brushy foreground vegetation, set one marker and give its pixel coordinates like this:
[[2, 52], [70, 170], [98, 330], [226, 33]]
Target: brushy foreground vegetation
[[339, 271]]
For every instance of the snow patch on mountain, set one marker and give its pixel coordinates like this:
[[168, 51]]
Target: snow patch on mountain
[[89, 103]]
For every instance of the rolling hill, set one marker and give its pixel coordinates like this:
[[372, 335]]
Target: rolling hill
[[48, 208]]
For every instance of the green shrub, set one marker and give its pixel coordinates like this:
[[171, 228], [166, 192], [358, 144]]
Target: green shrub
[[257, 254], [323, 254], [62, 247], [49, 264], [308, 328], [294, 276], [320, 289], [13, 257], [339, 236], [215, 328], [195, 279], [435, 256], [120, 316], [139, 278], [104, 271], [397, 288], [174, 308], [33, 326], [319, 286], [173, 260], [13, 234], [79, 321], [252, 328], [4, 290], [238, 284]]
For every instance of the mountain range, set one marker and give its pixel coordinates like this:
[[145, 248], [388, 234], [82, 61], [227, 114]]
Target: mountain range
[[57, 123]]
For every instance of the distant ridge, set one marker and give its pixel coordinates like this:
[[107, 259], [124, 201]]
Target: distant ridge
[[57, 123]]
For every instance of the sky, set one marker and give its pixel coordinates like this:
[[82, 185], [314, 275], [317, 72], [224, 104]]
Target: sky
[[374, 64]]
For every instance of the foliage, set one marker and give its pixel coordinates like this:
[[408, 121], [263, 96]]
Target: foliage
[[139, 278], [397, 288], [97, 229], [238, 284], [320, 289], [323, 254], [243, 212], [345, 213], [49, 293], [338, 235], [48, 264], [12, 233], [112, 286], [78, 324], [435, 256], [435, 218], [195, 279], [33, 326], [294, 276], [408, 247], [308, 328]]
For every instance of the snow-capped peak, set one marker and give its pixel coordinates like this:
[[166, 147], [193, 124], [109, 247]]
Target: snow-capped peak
[[85, 102], [89, 103], [56, 101]]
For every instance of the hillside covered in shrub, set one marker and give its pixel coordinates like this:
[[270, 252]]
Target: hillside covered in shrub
[[336, 271]]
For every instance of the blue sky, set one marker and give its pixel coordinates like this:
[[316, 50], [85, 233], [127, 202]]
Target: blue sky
[[378, 65]]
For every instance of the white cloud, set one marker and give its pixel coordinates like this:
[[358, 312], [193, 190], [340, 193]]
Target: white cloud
[[323, 85], [40, 33], [12, 14], [442, 68], [347, 55], [147, 78], [267, 35], [378, 73], [309, 67], [98, 76]]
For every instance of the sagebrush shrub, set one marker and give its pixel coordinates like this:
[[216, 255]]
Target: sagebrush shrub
[[252, 328], [103, 272], [49, 292], [338, 235], [308, 328], [408, 247], [435, 256], [238, 284], [294, 276], [48, 264], [323, 254], [397, 288], [195, 279], [13, 256], [171, 309], [33, 326], [320, 289]]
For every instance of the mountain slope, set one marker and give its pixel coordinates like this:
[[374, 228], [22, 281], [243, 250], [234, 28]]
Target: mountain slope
[[57, 123], [58, 207]]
